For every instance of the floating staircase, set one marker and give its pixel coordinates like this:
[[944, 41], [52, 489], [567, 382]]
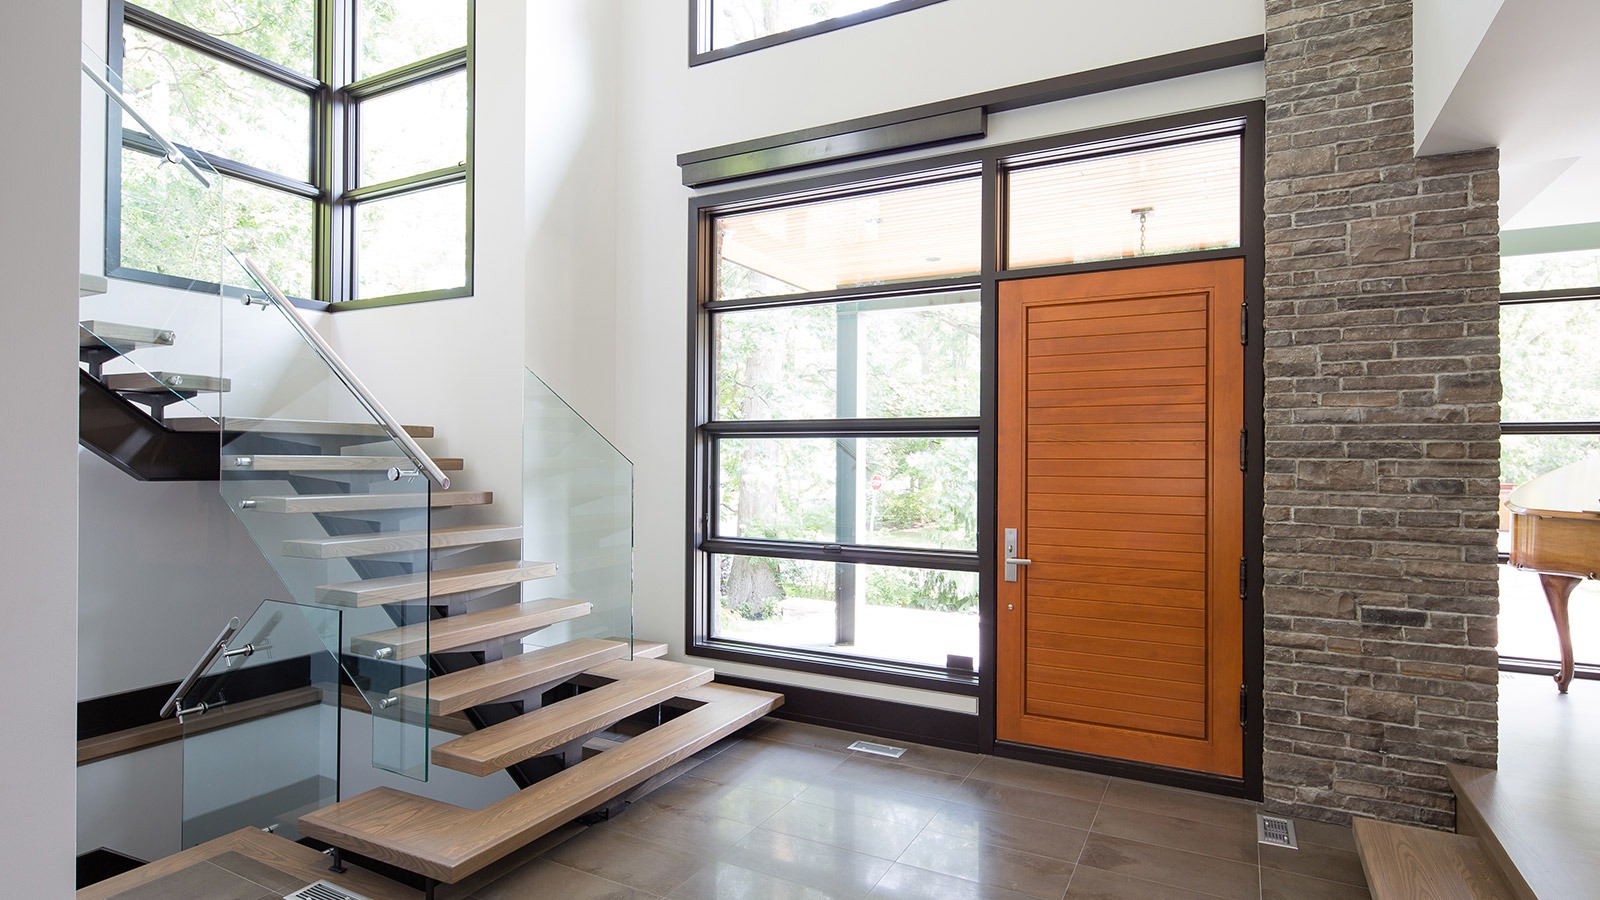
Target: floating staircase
[[320, 498]]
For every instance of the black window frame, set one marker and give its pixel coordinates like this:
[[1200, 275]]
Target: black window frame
[[1245, 120], [1532, 665], [701, 13], [336, 96]]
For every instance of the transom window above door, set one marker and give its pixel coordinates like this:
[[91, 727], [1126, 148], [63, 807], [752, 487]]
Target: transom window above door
[[723, 28]]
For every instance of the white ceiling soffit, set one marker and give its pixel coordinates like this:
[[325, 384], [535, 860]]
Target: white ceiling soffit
[[1526, 82]]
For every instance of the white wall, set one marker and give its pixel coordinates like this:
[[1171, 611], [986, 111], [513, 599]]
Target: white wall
[[38, 525], [946, 50]]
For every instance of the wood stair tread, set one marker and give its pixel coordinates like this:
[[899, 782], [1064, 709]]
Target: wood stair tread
[[454, 632], [639, 684], [1405, 862], [492, 681], [400, 542], [449, 843], [333, 503], [423, 585], [333, 463], [294, 426], [122, 338], [165, 383]]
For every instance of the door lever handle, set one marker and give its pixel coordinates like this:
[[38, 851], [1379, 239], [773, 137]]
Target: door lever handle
[[1019, 562]]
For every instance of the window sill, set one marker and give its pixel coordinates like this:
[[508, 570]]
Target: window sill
[[965, 684]]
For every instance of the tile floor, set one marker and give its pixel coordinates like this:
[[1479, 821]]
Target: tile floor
[[783, 812]]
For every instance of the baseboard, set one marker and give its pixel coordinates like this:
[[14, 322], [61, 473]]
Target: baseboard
[[869, 715]]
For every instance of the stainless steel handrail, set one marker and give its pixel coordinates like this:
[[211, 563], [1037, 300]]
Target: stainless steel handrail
[[408, 445], [217, 647], [171, 149]]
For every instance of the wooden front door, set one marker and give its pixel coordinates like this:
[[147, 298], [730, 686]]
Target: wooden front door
[[1121, 406]]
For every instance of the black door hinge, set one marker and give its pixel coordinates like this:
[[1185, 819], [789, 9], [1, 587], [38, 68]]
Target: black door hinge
[[1244, 576], [1244, 450], [1244, 324], [1244, 706]]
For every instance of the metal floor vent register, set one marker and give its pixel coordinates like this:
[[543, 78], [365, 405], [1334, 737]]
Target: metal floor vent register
[[878, 749], [1275, 830], [322, 890]]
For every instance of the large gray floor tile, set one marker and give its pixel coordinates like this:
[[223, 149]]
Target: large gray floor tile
[[727, 801], [1175, 868], [689, 829], [615, 856], [928, 783], [725, 881], [1014, 870], [1227, 841], [1317, 861], [872, 801], [1181, 804], [1280, 885], [541, 878], [835, 870], [1096, 884], [825, 824], [1044, 806], [910, 883], [992, 828], [1061, 782]]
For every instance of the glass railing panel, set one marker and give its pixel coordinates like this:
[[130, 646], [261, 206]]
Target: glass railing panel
[[154, 341], [577, 513], [261, 726], [339, 509]]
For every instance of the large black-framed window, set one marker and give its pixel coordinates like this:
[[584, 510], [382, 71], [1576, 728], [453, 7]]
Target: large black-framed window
[[1014, 184], [1550, 418], [719, 29], [342, 131]]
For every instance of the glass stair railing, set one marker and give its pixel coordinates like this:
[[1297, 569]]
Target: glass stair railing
[[157, 346], [338, 497], [260, 718], [577, 508]]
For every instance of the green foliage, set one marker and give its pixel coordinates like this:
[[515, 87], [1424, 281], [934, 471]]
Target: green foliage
[[923, 589]]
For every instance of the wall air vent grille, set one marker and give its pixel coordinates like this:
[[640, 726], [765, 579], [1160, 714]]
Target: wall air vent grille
[[322, 890], [1275, 830]]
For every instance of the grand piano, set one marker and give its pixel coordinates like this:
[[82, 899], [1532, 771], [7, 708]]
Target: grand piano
[[1555, 531]]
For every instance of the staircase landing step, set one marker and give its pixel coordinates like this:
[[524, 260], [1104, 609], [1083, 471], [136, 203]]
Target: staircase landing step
[[401, 542], [492, 681], [336, 503], [165, 383], [422, 586], [1405, 862], [454, 632], [639, 684], [449, 843]]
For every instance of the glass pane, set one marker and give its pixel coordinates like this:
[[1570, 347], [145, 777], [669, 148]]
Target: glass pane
[[928, 231], [264, 751], [1547, 363], [415, 130], [737, 21], [892, 357], [284, 31], [577, 512], [905, 615], [1526, 628], [167, 227], [207, 104], [396, 33], [1550, 271], [902, 492], [414, 242], [1165, 200]]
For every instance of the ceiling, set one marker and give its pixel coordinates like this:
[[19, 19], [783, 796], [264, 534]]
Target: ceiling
[[1524, 76]]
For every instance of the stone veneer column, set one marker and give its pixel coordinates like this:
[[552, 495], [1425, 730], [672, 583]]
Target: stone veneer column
[[1382, 441]]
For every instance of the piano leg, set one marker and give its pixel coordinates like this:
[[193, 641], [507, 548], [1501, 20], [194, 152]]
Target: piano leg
[[1558, 589]]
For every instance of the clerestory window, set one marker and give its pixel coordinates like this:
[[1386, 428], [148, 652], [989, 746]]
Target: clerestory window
[[342, 132], [722, 28]]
